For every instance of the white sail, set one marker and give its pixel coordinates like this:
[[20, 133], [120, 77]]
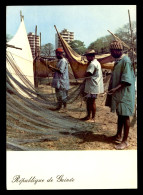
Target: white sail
[[21, 57]]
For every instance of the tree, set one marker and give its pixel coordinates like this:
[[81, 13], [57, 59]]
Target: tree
[[125, 35], [78, 46], [47, 50], [101, 45], [8, 37]]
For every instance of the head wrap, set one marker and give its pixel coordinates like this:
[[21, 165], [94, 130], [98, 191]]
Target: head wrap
[[90, 52], [60, 50], [116, 45]]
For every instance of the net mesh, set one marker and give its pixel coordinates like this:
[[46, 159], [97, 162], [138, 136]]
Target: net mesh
[[30, 115]]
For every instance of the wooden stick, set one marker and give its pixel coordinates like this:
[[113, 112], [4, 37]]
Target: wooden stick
[[124, 44], [36, 41], [132, 40], [13, 46]]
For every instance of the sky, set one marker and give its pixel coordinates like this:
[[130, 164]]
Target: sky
[[88, 22]]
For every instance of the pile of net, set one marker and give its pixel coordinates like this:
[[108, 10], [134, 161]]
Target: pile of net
[[28, 111]]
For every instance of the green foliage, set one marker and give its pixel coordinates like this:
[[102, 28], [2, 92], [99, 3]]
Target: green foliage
[[101, 45], [8, 37], [78, 46], [47, 50], [124, 34]]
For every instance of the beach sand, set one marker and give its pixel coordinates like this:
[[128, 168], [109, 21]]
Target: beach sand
[[82, 136]]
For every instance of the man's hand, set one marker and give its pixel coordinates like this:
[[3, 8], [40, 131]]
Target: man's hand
[[49, 66], [53, 68], [112, 91], [88, 74], [120, 86]]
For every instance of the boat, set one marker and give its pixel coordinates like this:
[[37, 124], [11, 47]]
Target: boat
[[79, 63]]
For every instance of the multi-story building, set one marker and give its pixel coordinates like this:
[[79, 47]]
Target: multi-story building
[[34, 41], [68, 37]]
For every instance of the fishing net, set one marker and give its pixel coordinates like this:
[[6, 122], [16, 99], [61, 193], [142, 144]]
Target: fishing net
[[29, 116]]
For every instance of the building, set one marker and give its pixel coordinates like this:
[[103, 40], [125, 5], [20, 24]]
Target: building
[[68, 37], [34, 41]]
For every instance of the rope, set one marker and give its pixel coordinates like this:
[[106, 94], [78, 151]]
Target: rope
[[26, 115], [33, 112]]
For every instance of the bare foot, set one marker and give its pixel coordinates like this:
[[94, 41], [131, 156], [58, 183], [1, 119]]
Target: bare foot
[[91, 120], [116, 138], [55, 109], [85, 118], [122, 146], [63, 110]]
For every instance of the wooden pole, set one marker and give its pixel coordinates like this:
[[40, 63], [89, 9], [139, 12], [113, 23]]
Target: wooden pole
[[130, 27], [21, 16], [12, 46], [40, 40], [35, 41], [35, 60], [124, 44], [132, 41]]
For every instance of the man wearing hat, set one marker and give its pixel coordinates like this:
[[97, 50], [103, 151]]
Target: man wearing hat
[[60, 79], [121, 93], [93, 84]]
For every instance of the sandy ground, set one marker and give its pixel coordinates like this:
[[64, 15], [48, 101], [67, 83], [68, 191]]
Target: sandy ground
[[92, 136]]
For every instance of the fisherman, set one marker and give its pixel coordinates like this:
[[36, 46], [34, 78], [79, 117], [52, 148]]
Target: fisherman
[[93, 84], [121, 92], [60, 79]]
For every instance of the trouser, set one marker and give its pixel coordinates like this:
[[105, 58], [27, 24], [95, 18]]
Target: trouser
[[61, 95]]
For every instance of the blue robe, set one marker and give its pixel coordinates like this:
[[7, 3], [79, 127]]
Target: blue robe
[[122, 101]]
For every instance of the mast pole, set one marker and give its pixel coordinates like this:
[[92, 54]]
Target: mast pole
[[132, 41], [21, 16], [40, 40], [36, 41], [124, 44]]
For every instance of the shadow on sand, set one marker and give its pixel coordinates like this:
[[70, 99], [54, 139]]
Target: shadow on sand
[[89, 136]]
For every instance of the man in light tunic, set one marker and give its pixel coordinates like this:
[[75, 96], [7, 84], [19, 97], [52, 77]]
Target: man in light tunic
[[93, 84], [60, 79], [121, 92]]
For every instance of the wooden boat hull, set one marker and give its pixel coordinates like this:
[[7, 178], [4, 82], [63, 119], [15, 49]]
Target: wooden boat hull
[[41, 69], [77, 62], [79, 69]]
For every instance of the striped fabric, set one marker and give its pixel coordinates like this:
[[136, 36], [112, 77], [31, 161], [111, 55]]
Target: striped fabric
[[116, 45]]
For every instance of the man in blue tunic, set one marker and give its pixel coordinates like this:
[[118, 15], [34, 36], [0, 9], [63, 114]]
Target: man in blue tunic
[[60, 79], [121, 92]]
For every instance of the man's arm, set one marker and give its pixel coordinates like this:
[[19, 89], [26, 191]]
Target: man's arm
[[90, 70], [54, 69], [88, 74], [49, 66], [117, 88], [61, 68]]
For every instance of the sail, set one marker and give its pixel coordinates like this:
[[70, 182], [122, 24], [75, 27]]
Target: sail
[[79, 63], [19, 60]]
